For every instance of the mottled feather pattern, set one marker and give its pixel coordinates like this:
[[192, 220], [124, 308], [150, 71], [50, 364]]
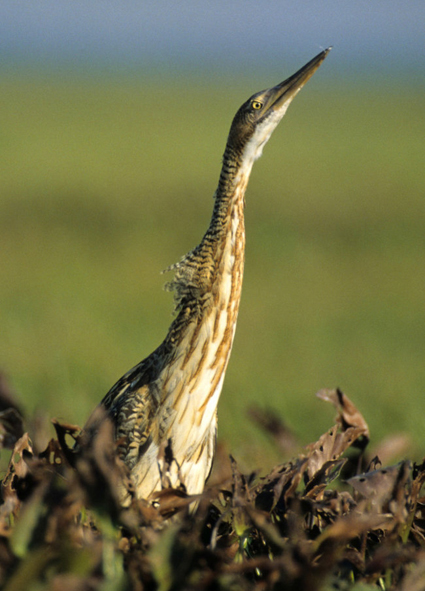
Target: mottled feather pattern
[[170, 399], [173, 393]]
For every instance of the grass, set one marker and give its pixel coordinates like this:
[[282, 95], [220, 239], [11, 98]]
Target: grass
[[105, 184]]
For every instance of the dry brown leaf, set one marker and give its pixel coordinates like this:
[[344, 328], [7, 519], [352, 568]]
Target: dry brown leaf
[[348, 527], [240, 489], [102, 474], [16, 471], [328, 472], [348, 414], [170, 501], [275, 533], [281, 482], [330, 446], [382, 485], [64, 431], [17, 464]]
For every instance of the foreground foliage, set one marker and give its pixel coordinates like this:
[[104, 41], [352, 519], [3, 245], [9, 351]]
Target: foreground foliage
[[328, 519]]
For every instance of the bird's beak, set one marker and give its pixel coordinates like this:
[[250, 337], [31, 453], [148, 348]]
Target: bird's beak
[[284, 92]]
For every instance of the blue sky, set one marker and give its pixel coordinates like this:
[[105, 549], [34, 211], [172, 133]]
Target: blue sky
[[370, 37]]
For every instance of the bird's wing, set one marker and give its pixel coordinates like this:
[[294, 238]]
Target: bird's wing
[[132, 413], [131, 407]]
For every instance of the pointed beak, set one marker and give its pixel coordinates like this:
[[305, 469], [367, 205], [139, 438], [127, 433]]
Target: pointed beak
[[286, 90]]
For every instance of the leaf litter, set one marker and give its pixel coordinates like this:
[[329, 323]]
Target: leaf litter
[[332, 517]]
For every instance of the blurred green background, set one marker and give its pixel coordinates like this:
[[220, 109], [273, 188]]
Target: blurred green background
[[105, 182]]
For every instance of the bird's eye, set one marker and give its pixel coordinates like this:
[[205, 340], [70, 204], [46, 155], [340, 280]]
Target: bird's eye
[[256, 105]]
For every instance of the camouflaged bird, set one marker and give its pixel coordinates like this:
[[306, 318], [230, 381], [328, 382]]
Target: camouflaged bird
[[171, 396]]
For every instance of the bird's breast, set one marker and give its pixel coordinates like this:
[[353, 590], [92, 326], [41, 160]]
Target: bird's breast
[[193, 380]]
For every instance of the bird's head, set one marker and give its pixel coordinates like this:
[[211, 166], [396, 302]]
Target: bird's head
[[257, 118]]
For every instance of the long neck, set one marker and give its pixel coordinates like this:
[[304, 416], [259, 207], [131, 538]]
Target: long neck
[[229, 196], [211, 274], [208, 284]]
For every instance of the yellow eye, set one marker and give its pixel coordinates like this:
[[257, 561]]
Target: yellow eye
[[256, 105]]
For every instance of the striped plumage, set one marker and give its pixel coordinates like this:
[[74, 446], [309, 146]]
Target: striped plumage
[[172, 395]]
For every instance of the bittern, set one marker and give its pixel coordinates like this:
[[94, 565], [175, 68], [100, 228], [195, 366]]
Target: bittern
[[171, 396]]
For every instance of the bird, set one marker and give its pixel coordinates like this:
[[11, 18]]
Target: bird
[[170, 398]]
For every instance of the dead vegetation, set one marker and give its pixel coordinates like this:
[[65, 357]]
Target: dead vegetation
[[331, 518]]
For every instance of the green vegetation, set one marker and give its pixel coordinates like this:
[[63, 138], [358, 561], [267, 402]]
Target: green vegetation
[[102, 185]]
